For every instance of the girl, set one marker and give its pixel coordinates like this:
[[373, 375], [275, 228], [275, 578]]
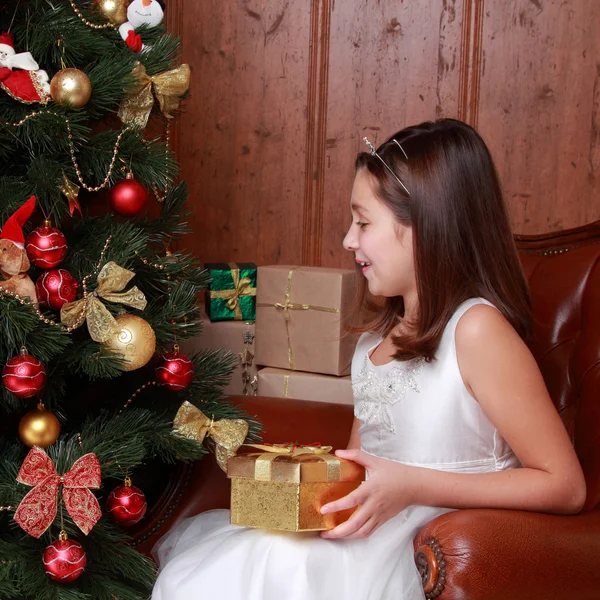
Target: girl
[[448, 399]]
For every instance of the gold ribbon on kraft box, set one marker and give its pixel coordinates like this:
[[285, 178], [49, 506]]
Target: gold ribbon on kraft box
[[288, 305]]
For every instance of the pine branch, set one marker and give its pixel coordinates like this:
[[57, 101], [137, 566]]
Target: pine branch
[[21, 326], [212, 372], [86, 385], [93, 360], [171, 223]]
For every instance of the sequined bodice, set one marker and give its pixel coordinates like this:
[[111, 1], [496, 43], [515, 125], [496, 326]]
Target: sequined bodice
[[420, 412], [375, 395]]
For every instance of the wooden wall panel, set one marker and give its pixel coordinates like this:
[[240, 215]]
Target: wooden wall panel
[[539, 109], [241, 140], [391, 64], [283, 93]]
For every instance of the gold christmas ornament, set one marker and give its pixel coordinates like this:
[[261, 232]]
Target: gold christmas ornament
[[134, 340], [39, 427], [71, 87], [114, 11]]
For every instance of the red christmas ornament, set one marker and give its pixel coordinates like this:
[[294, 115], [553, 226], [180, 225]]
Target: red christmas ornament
[[128, 197], [127, 504], [64, 560], [46, 246], [175, 370], [24, 375], [55, 288]]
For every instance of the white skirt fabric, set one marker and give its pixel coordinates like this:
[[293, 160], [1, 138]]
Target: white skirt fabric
[[207, 557]]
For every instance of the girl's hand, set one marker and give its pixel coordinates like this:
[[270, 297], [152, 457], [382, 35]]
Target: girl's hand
[[388, 490]]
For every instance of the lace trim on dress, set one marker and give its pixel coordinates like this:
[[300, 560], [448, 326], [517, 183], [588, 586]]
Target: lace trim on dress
[[374, 394]]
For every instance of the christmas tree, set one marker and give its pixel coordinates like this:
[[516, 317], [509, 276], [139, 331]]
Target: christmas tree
[[95, 295]]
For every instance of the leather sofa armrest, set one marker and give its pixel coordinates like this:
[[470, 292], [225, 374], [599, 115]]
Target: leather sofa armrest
[[504, 555]]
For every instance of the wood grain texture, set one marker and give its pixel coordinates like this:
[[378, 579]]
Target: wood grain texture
[[538, 109], [243, 135], [317, 112], [391, 64], [283, 92]]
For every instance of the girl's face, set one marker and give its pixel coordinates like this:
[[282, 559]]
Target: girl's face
[[381, 245]]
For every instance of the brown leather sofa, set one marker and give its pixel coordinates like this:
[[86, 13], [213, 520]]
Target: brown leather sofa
[[476, 554]]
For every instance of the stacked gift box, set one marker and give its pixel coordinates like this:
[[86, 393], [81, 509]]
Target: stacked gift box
[[229, 322], [300, 344], [302, 347], [304, 352]]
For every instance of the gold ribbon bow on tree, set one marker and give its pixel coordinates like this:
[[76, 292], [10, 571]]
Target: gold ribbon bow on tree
[[228, 434], [241, 287], [112, 279], [168, 86]]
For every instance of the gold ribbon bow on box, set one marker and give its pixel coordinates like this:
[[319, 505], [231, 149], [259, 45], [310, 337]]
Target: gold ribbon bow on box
[[112, 279], [241, 287], [271, 452], [228, 434], [168, 86], [288, 305]]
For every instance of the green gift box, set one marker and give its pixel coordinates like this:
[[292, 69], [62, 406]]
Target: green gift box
[[232, 295]]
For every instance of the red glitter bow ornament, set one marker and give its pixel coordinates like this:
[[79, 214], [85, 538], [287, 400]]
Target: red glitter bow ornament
[[37, 510]]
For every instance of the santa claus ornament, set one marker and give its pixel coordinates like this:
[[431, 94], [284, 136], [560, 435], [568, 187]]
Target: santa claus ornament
[[29, 84], [14, 263], [140, 12]]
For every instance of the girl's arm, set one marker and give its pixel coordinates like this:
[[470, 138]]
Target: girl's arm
[[354, 441], [500, 372]]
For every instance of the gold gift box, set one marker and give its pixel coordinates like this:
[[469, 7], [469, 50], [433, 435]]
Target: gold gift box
[[286, 492]]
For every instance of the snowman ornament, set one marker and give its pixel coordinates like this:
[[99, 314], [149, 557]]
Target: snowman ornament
[[140, 12], [29, 84]]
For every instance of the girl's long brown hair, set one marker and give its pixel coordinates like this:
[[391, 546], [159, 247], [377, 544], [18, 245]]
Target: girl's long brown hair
[[462, 243]]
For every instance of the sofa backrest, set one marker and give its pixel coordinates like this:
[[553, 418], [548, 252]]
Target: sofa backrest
[[563, 270]]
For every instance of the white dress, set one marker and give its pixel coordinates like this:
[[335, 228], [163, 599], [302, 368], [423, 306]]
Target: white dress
[[414, 412]]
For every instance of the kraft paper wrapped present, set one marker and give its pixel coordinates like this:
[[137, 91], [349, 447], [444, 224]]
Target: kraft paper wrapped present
[[300, 318], [236, 336], [232, 294], [281, 383], [284, 486]]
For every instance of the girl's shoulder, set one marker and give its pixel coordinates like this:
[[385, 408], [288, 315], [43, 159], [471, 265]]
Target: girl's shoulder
[[481, 321], [470, 313], [470, 303]]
